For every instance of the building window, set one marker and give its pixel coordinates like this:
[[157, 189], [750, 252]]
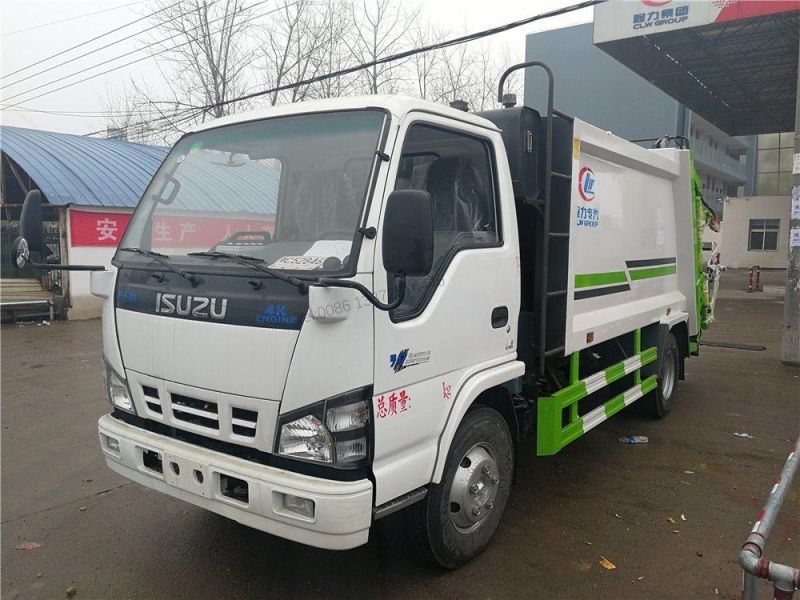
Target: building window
[[774, 176], [763, 236]]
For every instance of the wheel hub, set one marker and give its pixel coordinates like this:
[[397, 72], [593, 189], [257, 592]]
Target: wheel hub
[[474, 488], [668, 375]]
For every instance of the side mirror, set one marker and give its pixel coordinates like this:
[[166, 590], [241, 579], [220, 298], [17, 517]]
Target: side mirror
[[31, 238], [31, 227], [408, 233], [31, 230], [407, 247]]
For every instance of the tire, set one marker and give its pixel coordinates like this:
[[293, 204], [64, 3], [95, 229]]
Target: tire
[[661, 400], [460, 515]]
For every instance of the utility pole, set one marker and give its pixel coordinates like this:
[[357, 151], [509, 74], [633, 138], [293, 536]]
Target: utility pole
[[791, 307]]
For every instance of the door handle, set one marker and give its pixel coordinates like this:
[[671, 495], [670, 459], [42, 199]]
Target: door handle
[[500, 317]]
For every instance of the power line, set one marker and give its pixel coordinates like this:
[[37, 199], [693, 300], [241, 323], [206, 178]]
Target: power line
[[394, 57], [172, 121], [97, 12], [175, 124], [196, 110], [87, 53], [96, 112], [97, 37], [122, 66], [78, 113]]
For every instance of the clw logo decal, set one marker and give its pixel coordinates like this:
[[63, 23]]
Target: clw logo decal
[[586, 184]]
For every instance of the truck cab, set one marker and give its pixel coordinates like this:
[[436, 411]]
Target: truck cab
[[290, 403]]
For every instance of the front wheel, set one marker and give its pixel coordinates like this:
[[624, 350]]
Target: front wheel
[[460, 515], [660, 401]]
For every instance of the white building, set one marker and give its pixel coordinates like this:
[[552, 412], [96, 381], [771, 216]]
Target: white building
[[755, 231]]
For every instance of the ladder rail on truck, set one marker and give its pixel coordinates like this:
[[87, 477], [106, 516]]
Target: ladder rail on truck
[[561, 383], [605, 302]]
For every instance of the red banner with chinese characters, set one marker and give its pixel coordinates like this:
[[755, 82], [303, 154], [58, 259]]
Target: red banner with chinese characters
[[168, 231], [96, 228]]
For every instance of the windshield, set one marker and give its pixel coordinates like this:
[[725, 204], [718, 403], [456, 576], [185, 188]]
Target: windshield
[[287, 191]]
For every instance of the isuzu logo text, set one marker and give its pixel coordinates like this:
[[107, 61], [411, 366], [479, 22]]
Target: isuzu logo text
[[195, 306]]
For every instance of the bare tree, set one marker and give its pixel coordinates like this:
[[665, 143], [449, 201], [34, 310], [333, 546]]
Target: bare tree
[[288, 42], [334, 55], [515, 82], [480, 93], [469, 72], [456, 74], [209, 53], [123, 113], [378, 29], [424, 66], [488, 64], [305, 39], [203, 53]]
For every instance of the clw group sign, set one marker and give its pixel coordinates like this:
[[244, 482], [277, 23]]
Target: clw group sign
[[620, 19]]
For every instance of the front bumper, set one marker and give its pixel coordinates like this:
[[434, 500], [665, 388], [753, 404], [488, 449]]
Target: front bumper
[[343, 509]]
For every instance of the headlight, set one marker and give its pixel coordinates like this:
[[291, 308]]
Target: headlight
[[334, 432], [117, 391], [306, 438]]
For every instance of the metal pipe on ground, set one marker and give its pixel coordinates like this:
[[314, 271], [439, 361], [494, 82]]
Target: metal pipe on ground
[[785, 579]]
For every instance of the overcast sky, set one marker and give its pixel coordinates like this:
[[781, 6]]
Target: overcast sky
[[21, 48]]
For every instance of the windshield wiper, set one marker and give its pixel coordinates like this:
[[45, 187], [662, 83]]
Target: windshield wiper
[[254, 263], [162, 259]]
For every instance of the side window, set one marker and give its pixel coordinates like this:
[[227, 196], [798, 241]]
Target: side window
[[456, 169]]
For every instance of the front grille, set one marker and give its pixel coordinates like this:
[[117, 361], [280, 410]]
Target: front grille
[[206, 414], [243, 422], [152, 398], [202, 405], [193, 410], [225, 417]]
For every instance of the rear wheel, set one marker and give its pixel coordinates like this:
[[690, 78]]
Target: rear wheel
[[660, 401], [460, 515]]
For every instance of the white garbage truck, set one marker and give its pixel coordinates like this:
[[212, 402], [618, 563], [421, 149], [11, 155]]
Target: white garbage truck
[[325, 312]]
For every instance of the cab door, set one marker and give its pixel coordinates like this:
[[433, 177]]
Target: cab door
[[458, 319]]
